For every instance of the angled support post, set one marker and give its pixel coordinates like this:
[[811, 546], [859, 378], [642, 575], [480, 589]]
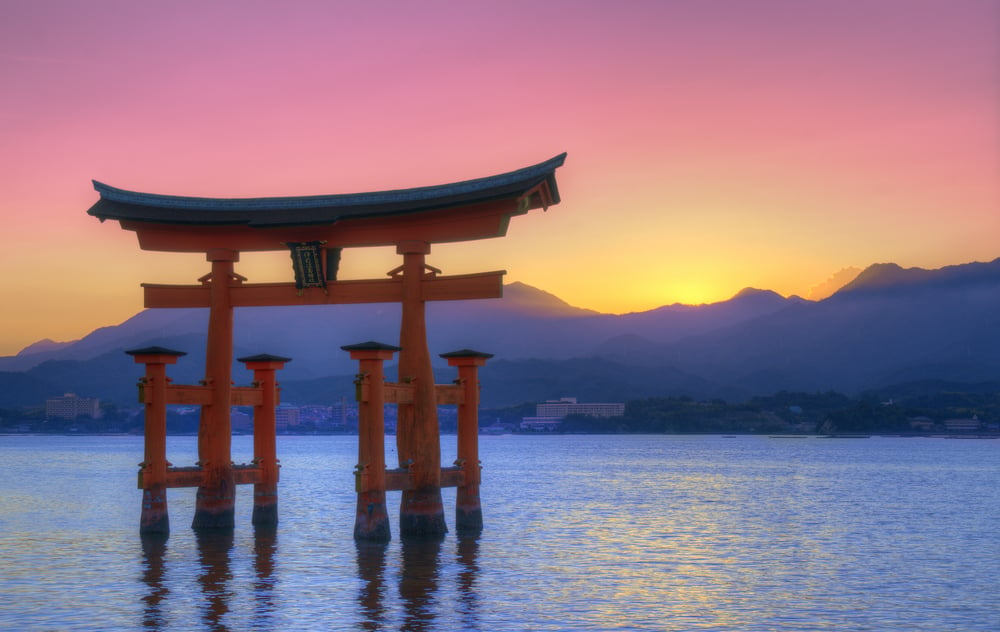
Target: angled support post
[[153, 473], [265, 451], [371, 520], [468, 508]]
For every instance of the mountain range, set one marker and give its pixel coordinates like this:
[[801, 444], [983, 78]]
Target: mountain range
[[890, 325]]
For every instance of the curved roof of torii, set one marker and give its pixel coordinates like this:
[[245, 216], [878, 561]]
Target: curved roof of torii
[[530, 187]]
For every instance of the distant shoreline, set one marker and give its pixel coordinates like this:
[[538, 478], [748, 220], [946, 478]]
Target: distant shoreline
[[554, 434]]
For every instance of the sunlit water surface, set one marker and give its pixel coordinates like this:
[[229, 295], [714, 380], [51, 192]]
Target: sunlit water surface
[[582, 533]]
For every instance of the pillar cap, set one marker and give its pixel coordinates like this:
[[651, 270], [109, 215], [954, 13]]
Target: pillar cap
[[263, 357], [155, 351], [466, 357], [371, 345], [466, 353]]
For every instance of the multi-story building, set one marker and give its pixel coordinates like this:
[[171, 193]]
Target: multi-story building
[[69, 406], [286, 417], [549, 414], [569, 406]]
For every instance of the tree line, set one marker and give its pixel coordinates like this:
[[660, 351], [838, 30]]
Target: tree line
[[784, 412], [918, 411]]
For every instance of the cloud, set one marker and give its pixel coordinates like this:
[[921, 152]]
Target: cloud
[[832, 284]]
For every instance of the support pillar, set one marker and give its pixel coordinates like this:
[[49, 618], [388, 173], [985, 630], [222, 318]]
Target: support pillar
[[421, 512], [153, 475], [216, 497], [371, 520], [265, 452], [468, 509]]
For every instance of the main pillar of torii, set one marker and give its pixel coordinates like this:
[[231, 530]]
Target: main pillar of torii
[[315, 230]]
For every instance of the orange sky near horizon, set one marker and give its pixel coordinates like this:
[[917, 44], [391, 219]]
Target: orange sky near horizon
[[711, 146]]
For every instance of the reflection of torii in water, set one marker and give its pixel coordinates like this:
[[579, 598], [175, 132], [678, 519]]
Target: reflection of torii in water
[[315, 229]]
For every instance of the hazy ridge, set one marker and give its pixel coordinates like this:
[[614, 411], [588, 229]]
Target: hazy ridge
[[889, 325]]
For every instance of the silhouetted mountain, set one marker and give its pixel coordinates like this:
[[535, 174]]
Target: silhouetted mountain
[[889, 325], [137, 331], [890, 277], [521, 298], [880, 276], [525, 323], [43, 346], [592, 379], [677, 322]]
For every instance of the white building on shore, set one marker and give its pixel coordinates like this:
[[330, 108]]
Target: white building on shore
[[549, 414]]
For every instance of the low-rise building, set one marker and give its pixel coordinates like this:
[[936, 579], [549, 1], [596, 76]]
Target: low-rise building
[[543, 424], [962, 425]]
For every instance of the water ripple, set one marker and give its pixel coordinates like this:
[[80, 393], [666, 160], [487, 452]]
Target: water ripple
[[582, 533]]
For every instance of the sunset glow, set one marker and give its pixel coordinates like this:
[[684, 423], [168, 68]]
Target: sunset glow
[[712, 146]]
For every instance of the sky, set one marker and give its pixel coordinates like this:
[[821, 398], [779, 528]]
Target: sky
[[712, 145]]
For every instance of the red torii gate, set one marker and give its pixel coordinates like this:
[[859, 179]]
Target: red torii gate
[[316, 229]]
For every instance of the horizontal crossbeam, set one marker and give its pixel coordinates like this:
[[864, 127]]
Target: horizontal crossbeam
[[190, 395], [395, 393], [193, 476], [401, 479], [433, 288]]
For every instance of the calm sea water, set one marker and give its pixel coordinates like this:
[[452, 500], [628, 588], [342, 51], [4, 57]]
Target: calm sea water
[[582, 533]]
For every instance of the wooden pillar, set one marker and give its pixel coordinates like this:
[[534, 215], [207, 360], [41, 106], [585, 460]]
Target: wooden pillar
[[468, 509], [153, 475], [371, 520], [421, 511], [265, 451], [215, 502]]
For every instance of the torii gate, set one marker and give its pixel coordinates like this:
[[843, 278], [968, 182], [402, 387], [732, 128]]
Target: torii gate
[[315, 229]]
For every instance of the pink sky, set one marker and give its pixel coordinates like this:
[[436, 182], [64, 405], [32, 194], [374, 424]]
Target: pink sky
[[713, 144]]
